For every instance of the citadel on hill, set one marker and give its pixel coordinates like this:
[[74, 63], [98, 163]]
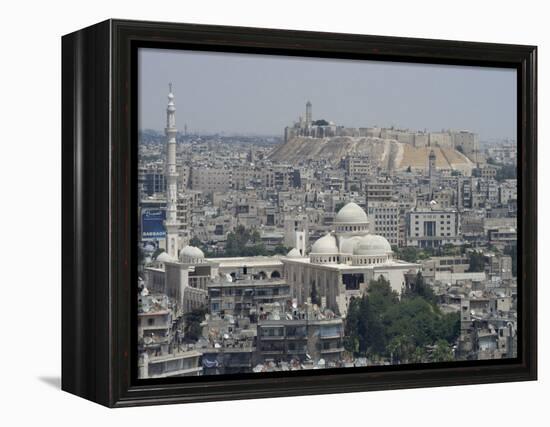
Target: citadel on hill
[[388, 148]]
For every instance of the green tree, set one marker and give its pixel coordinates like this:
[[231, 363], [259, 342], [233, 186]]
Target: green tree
[[281, 250], [448, 327], [157, 252], [192, 329], [410, 254], [401, 349], [243, 242], [372, 335], [418, 355], [442, 352], [351, 326], [419, 288], [379, 324], [195, 241]]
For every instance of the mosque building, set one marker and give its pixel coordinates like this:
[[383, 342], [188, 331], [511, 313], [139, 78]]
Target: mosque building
[[343, 262], [339, 266]]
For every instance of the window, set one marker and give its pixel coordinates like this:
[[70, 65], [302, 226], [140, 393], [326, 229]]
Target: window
[[150, 321]]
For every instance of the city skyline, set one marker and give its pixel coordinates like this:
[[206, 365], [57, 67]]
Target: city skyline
[[342, 247], [361, 93]]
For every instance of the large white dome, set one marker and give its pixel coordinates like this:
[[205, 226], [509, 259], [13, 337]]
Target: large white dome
[[372, 244], [191, 252], [352, 213], [325, 245]]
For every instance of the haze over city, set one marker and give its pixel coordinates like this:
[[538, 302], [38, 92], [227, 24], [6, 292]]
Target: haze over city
[[260, 94]]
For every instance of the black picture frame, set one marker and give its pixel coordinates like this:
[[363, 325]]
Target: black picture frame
[[99, 220]]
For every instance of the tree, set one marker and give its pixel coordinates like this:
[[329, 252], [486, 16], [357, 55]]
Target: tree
[[418, 355], [419, 288], [401, 348], [442, 352], [195, 241], [409, 254], [351, 326], [380, 324], [381, 295], [157, 252], [192, 330], [243, 242], [281, 250], [448, 327]]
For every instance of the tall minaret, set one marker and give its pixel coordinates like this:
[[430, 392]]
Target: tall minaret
[[171, 224], [308, 114]]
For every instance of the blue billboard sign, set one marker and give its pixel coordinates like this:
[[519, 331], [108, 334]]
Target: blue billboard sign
[[152, 224]]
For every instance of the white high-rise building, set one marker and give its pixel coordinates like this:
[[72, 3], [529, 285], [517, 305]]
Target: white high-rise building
[[171, 224]]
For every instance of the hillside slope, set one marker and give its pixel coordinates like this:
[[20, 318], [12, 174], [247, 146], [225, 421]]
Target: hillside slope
[[386, 154]]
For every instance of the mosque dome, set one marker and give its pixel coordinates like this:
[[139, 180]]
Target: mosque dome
[[372, 244], [294, 253], [191, 253], [325, 245], [164, 257], [348, 244], [351, 213]]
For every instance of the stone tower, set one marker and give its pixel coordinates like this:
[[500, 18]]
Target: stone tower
[[171, 224], [308, 114]]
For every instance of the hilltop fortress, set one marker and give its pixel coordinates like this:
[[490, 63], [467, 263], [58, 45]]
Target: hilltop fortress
[[387, 148]]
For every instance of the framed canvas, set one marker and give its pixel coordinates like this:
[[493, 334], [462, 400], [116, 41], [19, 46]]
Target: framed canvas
[[258, 213]]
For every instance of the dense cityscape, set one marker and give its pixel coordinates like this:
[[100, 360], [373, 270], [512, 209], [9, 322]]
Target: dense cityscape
[[323, 247]]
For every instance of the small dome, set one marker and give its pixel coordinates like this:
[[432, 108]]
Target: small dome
[[191, 252], [294, 253], [347, 246], [164, 257], [325, 245], [372, 244], [352, 213]]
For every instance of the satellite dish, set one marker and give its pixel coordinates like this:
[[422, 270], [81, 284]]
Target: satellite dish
[[147, 340]]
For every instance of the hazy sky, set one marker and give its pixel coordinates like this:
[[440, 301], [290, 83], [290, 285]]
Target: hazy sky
[[261, 94]]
